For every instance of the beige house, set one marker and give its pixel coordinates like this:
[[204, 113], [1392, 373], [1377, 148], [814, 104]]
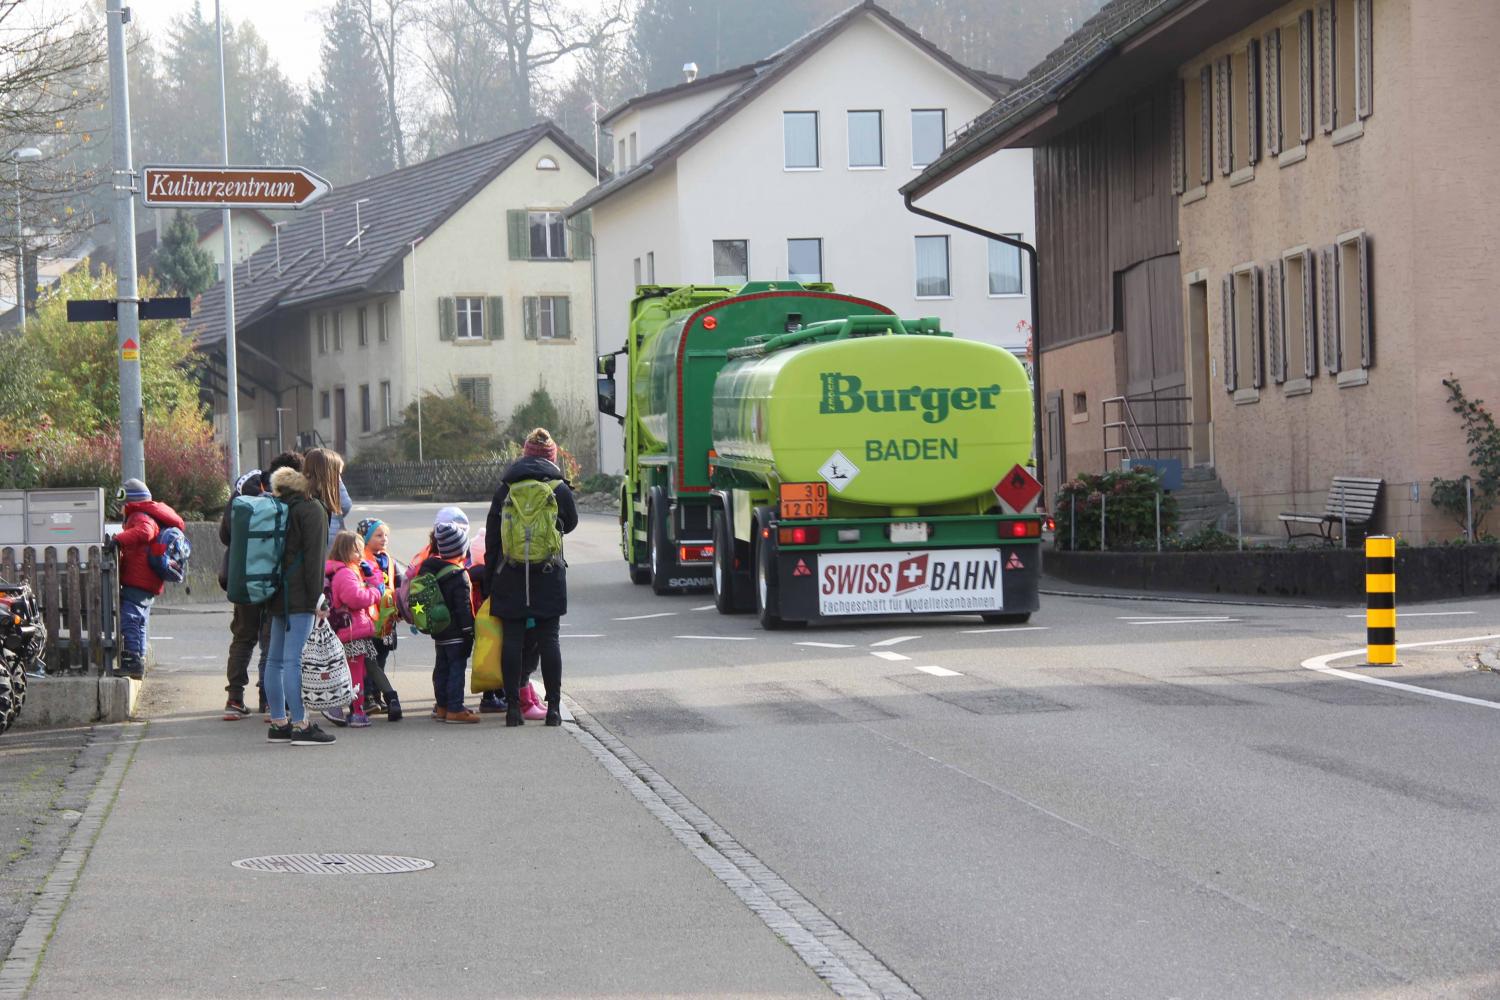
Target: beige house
[[1262, 244], [453, 276]]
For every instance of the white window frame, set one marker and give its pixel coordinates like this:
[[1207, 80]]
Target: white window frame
[[338, 330], [1306, 292], [650, 267], [1352, 368], [817, 143], [321, 323], [383, 322], [849, 138], [990, 246], [1245, 389], [822, 262], [942, 135], [714, 260], [546, 318], [463, 319], [550, 252], [387, 412], [362, 326], [947, 260], [637, 265]]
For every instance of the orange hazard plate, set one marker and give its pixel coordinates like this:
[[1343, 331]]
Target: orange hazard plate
[[800, 501]]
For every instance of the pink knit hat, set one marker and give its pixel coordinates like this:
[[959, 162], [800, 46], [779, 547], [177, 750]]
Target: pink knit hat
[[539, 444]]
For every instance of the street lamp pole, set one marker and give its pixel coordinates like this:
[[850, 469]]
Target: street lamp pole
[[127, 293], [28, 154]]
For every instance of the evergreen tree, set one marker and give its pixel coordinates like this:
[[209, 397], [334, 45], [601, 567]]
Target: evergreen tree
[[347, 129], [181, 265], [715, 34]]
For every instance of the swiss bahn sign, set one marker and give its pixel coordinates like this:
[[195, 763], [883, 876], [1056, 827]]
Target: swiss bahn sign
[[1018, 491], [231, 187]]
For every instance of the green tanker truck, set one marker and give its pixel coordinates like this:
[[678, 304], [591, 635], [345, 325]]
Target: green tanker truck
[[812, 457]]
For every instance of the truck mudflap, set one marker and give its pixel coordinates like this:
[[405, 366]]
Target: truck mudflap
[[830, 586]]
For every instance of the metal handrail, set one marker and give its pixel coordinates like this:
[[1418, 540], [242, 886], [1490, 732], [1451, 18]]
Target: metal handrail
[[1132, 443]]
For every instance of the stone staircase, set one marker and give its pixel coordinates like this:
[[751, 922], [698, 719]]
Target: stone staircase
[[1202, 501]]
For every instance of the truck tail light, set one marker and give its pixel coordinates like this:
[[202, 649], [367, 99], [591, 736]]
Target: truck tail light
[[1021, 529], [799, 536], [695, 553]]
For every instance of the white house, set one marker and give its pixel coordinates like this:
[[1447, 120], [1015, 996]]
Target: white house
[[455, 275], [789, 168]]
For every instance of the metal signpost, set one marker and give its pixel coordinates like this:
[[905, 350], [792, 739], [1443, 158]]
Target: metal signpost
[[128, 333]]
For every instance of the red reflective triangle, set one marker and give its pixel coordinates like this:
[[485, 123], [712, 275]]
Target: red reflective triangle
[[1014, 562], [801, 569]]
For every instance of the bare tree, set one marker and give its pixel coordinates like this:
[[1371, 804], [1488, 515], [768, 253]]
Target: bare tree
[[470, 87], [537, 33], [385, 23]]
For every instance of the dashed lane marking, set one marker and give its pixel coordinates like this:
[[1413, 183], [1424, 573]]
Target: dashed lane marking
[[1184, 621], [641, 618], [1320, 664], [828, 645], [940, 671], [719, 638], [1013, 628], [707, 607], [582, 635], [895, 641], [1423, 614], [886, 654]]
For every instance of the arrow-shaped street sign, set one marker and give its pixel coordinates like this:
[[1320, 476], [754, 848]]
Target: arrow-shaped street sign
[[231, 187]]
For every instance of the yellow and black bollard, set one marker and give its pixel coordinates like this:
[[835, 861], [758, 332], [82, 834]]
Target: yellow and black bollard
[[1380, 600]]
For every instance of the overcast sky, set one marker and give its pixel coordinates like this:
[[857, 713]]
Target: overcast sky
[[292, 28]]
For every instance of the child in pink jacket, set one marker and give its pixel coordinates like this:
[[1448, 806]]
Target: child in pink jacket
[[353, 588]]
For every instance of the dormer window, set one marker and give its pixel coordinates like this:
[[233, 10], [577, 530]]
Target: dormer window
[[547, 163]]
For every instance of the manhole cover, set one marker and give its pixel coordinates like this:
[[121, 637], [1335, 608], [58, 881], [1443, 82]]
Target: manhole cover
[[334, 864]]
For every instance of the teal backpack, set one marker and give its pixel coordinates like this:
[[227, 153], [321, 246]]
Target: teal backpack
[[257, 540]]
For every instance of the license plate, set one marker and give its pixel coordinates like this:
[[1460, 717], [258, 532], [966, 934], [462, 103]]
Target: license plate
[[909, 532], [802, 501]]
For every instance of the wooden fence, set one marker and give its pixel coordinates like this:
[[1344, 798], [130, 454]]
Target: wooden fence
[[446, 481], [79, 593]]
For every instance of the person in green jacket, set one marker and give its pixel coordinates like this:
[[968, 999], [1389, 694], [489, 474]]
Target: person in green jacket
[[294, 608]]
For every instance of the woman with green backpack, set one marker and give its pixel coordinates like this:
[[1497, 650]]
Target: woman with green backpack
[[525, 573]]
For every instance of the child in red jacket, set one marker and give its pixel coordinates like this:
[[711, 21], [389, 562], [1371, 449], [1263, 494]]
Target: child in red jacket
[[145, 519]]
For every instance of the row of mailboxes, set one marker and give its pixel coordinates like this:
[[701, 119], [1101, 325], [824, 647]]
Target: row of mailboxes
[[60, 518]]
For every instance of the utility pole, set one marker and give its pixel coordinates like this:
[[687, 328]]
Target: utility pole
[[128, 327], [231, 353]]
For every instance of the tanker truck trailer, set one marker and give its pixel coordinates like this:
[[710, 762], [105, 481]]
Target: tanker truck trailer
[[811, 457]]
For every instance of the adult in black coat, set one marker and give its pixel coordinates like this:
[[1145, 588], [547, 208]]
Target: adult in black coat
[[518, 591]]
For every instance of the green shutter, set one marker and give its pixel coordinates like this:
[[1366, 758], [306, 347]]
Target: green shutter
[[582, 236], [519, 234], [494, 318], [529, 311], [482, 396], [562, 323], [447, 318]]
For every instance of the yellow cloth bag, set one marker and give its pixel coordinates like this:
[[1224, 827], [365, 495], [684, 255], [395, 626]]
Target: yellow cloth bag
[[485, 672]]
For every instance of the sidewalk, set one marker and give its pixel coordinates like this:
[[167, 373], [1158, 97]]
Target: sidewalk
[[549, 878]]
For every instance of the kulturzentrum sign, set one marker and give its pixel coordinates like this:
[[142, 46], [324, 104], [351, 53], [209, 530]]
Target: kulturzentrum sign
[[231, 187]]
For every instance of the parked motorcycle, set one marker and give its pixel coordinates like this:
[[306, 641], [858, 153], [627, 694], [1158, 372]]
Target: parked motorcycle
[[23, 638]]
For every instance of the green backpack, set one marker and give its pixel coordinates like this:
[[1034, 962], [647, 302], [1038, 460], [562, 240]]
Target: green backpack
[[528, 523], [424, 600]]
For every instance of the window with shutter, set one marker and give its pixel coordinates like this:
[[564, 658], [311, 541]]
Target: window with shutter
[[1245, 316], [1206, 126], [562, 321], [581, 236], [1176, 140], [1227, 295], [1366, 320], [494, 318], [530, 317], [1328, 311], [1363, 56], [1252, 102], [1224, 118], [1326, 68], [1353, 298], [1309, 316], [1275, 330], [1257, 329], [518, 234], [447, 318], [1271, 73]]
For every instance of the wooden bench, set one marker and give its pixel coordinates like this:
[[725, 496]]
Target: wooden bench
[[1351, 506]]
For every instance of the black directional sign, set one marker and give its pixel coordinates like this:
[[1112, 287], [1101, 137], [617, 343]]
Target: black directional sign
[[108, 310]]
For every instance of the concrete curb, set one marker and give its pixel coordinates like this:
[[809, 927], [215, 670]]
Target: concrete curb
[[78, 701], [25, 960], [849, 969]]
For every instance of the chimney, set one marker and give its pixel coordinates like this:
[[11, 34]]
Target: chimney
[[690, 71]]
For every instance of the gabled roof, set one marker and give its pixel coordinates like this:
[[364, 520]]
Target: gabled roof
[[738, 74], [1135, 39], [394, 210], [759, 77]]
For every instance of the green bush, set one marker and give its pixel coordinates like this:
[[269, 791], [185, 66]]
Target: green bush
[[601, 482], [1483, 437], [1206, 539], [1128, 499]]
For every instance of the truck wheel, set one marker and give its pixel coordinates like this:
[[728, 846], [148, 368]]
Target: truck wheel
[[766, 586], [659, 545], [1018, 618], [729, 595]]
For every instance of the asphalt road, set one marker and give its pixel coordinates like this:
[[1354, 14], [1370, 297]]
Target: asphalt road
[[1122, 799]]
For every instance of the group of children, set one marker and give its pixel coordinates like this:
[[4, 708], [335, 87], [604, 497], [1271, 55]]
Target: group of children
[[367, 594]]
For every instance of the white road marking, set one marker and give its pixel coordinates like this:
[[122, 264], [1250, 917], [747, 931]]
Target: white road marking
[[896, 641], [1422, 614], [940, 671], [1185, 621], [1320, 664], [886, 654], [1013, 628], [720, 638], [164, 638], [582, 635], [1174, 618], [641, 618], [828, 645], [707, 607]]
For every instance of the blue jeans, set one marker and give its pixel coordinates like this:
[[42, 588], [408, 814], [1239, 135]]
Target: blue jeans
[[135, 618], [284, 666], [448, 676]]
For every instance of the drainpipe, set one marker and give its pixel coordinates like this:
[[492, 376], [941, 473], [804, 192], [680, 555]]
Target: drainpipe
[[1036, 340]]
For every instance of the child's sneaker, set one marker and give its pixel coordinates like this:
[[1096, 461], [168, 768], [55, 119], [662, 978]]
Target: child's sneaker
[[336, 716], [462, 716], [489, 705], [393, 708], [359, 720]]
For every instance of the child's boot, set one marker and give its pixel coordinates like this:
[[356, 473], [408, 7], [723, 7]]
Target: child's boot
[[393, 707]]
